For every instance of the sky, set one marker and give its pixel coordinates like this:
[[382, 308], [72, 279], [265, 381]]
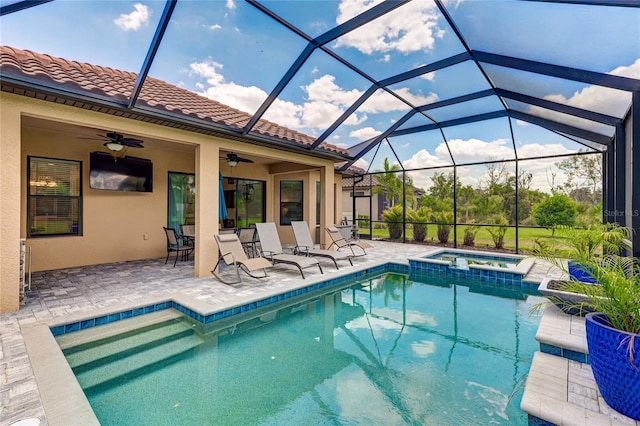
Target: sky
[[231, 52]]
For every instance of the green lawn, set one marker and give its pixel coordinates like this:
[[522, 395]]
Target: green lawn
[[526, 236]]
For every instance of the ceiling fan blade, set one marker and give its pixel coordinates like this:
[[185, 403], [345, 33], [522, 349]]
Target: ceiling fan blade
[[244, 160], [132, 143]]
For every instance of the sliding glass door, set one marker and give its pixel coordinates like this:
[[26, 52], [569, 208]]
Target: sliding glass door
[[250, 202], [181, 206]]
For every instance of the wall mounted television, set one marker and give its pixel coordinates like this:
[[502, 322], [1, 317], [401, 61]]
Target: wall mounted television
[[120, 174]]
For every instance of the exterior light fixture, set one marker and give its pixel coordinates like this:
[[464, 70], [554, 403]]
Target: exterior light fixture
[[113, 146]]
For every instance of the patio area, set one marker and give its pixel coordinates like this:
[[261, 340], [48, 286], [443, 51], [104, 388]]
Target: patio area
[[59, 294]]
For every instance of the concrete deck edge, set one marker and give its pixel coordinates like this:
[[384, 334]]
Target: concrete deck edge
[[63, 400], [545, 395], [561, 330]]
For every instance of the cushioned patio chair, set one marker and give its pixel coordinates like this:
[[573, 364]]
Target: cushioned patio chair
[[231, 252], [306, 247], [272, 249], [342, 243], [176, 243]]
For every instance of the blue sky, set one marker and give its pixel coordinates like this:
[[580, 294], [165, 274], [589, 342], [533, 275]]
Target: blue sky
[[233, 53]]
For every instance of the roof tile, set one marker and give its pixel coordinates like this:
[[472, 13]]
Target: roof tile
[[155, 93]]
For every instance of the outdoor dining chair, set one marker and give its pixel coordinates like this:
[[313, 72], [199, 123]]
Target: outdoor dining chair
[[175, 243]]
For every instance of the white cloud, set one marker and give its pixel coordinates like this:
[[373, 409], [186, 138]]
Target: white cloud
[[325, 101], [244, 98], [424, 158], [365, 133], [430, 76], [410, 28], [595, 98], [215, 27], [134, 20], [231, 4], [362, 163], [474, 150]]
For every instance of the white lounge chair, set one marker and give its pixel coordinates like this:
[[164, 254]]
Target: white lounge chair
[[272, 249], [232, 254], [340, 242], [306, 247]]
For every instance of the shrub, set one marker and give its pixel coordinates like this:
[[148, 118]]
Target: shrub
[[363, 221], [393, 217], [498, 232], [444, 220], [470, 234], [419, 218]]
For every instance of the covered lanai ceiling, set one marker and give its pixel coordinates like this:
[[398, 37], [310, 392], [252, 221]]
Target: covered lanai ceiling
[[425, 83]]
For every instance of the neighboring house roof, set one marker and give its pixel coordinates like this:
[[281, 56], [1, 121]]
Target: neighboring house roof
[[366, 182], [107, 83]]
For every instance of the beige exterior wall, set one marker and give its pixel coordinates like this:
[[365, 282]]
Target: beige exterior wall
[[9, 204], [120, 226]]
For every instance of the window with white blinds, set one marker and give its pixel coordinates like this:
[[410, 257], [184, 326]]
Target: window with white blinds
[[54, 191]]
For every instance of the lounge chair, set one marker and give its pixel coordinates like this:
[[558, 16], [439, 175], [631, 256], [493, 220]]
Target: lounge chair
[[232, 254], [341, 243], [306, 247], [272, 249], [177, 244]]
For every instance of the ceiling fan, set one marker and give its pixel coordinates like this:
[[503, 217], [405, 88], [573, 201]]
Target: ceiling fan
[[233, 159], [117, 142]]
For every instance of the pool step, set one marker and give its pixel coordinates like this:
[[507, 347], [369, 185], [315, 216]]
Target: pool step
[[100, 356], [132, 363], [86, 356]]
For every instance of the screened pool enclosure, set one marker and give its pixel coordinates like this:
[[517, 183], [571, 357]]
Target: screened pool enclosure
[[493, 118]]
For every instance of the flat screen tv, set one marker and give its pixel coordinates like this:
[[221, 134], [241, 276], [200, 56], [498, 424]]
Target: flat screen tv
[[120, 174]]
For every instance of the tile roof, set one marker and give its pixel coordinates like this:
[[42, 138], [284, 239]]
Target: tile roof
[[367, 181], [156, 94]]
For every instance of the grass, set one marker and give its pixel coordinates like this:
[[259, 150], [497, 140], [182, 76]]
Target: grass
[[526, 236]]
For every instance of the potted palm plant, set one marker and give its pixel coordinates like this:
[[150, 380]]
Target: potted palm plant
[[613, 329], [571, 252], [613, 322]]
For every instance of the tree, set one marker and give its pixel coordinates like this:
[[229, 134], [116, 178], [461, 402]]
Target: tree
[[390, 184], [584, 177], [555, 210]]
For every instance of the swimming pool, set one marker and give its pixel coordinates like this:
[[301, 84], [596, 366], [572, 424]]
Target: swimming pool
[[387, 349]]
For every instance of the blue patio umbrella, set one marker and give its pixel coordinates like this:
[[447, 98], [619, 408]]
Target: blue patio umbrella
[[222, 205]]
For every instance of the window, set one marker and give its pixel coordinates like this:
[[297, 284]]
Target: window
[[290, 201], [54, 197], [181, 200]]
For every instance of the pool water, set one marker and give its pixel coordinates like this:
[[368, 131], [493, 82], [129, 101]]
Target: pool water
[[389, 350]]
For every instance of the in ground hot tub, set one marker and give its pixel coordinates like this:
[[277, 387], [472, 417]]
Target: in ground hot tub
[[489, 267]]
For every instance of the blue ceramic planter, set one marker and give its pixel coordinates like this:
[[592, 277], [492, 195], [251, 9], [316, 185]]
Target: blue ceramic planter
[[617, 378], [577, 272]]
